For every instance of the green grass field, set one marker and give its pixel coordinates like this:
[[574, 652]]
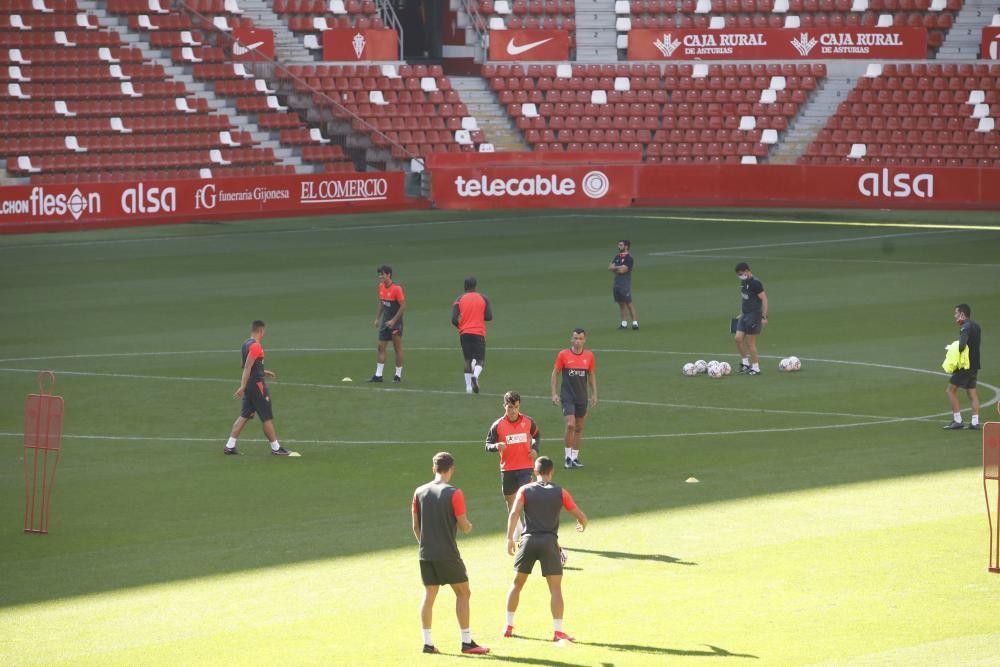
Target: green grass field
[[834, 521]]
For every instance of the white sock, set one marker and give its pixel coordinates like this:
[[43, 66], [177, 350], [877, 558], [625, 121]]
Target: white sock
[[635, 323], [574, 453], [624, 323], [427, 638], [399, 371], [466, 636], [476, 370], [275, 446], [557, 624], [756, 367], [379, 368], [231, 443], [468, 382], [958, 417], [975, 420], [746, 361], [569, 453], [510, 618]]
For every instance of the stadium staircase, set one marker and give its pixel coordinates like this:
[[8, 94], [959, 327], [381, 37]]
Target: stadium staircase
[[284, 156], [596, 37], [963, 40], [287, 47], [493, 120], [814, 114]]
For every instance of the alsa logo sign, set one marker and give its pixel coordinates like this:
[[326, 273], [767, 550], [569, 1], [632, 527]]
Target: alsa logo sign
[[594, 184], [144, 199], [900, 185]]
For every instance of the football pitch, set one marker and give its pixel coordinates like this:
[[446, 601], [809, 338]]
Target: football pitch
[[833, 521]]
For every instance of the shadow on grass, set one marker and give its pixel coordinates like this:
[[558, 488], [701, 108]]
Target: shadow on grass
[[524, 661], [659, 558], [713, 652]]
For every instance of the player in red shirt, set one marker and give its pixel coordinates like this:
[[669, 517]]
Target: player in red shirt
[[389, 322], [542, 503], [516, 437], [578, 370], [469, 314], [253, 391]]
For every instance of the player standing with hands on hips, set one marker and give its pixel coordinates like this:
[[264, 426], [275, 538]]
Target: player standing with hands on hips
[[578, 369], [389, 322], [621, 265], [752, 319], [438, 511]]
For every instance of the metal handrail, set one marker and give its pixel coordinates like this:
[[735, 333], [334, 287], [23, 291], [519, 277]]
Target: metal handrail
[[479, 24], [224, 39], [391, 20]]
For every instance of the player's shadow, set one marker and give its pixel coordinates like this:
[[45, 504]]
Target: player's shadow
[[527, 661], [713, 652], [659, 558]]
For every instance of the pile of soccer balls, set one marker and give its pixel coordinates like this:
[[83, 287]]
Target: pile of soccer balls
[[790, 364], [714, 369]]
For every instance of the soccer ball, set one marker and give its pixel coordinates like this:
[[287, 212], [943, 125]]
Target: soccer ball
[[795, 363], [701, 366], [726, 368], [689, 369], [785, 365], [715, 371]]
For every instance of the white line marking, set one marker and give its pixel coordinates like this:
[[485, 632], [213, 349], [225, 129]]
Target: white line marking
[[788, 258], [443, 392], [791, 243]]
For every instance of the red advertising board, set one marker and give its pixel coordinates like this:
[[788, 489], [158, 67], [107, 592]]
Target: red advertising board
[[82, 205], [253, 44], [777, 43], [991, 43], [538, 186], [366, 44], [529, 45], [818, 186]]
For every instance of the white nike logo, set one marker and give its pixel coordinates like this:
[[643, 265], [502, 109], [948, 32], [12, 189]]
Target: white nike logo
[[514, 50], [239, 49]]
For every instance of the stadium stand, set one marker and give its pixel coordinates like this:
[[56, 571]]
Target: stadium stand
[[916, 114], [530, 15], [680, 113], [310, 18]]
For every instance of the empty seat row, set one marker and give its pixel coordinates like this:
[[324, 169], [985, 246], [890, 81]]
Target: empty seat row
[[58, 55], [62, 126]]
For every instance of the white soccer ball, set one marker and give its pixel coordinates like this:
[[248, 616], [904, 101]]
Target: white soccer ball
[[715, 371], [795, 363], [785, 365], [689, 369], [701, 366], [726, 368]]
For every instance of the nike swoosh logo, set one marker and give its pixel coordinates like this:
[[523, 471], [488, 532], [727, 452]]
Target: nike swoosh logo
[[514, 50], [239, 48]]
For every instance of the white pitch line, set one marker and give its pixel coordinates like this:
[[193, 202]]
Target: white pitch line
[[447, 392], [796, 243], [835, 260], [790, 429], [298, 230]]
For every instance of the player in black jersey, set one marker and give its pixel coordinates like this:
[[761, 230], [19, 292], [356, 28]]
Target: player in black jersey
[[969, 335], [253, 391]]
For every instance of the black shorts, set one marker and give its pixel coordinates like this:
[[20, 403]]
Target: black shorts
[[256, 400], [441, 572], [473, 347], [571, 407], [749, 323], [964, 379], [512, 480], [622, 294], [543, 548], [386, 333]]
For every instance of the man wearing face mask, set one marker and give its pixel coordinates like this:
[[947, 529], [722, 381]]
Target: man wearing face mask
[[753, 318]]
